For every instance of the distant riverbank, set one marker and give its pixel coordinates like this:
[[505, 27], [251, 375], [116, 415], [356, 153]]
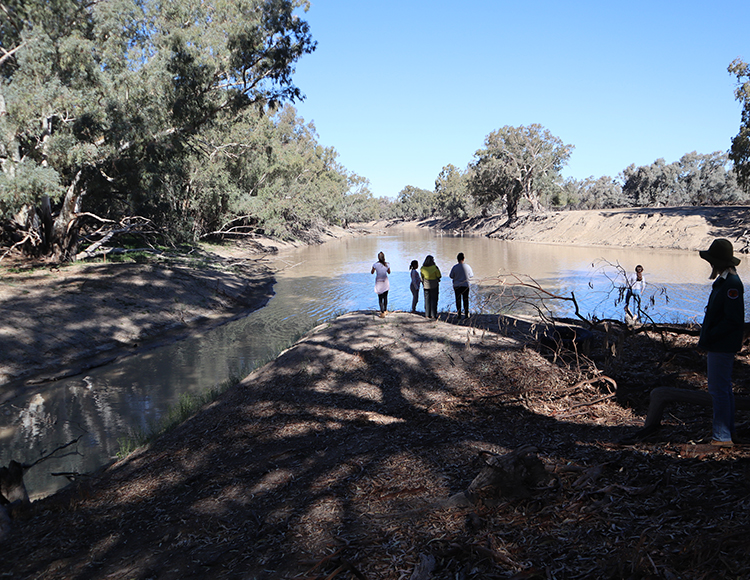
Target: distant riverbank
[[678, 228]]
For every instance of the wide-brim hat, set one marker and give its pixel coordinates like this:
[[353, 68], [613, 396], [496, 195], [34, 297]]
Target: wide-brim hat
[[720, 253]]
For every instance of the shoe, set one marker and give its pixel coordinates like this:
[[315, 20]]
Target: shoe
[[716, 443], [382, 315]]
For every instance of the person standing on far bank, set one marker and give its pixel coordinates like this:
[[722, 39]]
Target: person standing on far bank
[[721, 335], [635, 288], [460, 274], [416, 280], [431, 281], [381, 269]]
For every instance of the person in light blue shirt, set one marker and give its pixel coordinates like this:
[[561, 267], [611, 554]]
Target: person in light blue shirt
[[461, 273], [416, 282]]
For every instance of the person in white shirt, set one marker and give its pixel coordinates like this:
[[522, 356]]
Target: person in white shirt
[[381, 269], [635, 287], [460, 274]]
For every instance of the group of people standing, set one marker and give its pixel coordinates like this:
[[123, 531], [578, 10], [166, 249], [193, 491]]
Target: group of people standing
[[428, 276], [722, 331]]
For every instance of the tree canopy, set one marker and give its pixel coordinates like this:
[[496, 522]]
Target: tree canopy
[[740, 150], [696, 179], [515, 164], [105, 103]]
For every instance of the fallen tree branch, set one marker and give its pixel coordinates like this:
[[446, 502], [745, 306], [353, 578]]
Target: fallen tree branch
[[50, 455], [26, 238]]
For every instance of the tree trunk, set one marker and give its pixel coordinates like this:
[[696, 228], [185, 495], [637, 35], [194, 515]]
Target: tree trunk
[[64, 239], [511, 206], [533, 198], [512, 198]]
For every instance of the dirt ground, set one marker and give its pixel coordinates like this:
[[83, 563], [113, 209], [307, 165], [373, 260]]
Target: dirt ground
[[351, 455]]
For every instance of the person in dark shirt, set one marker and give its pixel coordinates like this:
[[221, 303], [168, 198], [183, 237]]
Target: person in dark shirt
[[721, 335]]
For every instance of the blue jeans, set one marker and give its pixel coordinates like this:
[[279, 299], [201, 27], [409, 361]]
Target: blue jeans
[[720, 388]]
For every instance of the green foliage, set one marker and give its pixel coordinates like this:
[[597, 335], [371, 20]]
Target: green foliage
[[24, 183], [109, 101], [740, 151], [452, 198], [590, 193], [413, 203], [268, 174], [517, 163], [693, 180]]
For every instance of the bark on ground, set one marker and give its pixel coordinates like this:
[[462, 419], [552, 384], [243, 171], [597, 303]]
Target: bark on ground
[[343, 458]]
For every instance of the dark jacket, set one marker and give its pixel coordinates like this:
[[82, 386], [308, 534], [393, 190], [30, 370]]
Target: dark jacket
[[724, 323]]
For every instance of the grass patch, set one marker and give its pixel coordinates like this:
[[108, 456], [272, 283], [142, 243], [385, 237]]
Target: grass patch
[[188, 404], [186, 407]]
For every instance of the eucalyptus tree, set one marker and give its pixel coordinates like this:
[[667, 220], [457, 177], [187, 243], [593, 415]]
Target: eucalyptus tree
[[102, 103], [696, 179], [740, 151], [452, 198], [414, 203], [516, 163], [651, 185]]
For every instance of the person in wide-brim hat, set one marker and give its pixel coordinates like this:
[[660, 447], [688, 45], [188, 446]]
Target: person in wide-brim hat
[[720, 254], [722, 333]]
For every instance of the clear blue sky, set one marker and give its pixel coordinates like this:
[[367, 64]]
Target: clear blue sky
[[401, 88]]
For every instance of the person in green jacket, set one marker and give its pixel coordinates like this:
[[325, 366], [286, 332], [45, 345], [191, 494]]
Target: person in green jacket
[[722, 334], [431, 282]]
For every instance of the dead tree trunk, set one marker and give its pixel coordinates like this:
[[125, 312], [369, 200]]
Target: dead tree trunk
[[515, 474], [12, 488], [64, 242]]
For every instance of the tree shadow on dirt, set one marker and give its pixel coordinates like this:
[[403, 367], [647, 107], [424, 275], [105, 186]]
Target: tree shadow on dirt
[[118, 307], [333, 461]]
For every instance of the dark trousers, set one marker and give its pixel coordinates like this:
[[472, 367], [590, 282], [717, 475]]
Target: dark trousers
[[462, 293], [431, 302], [383, 301]]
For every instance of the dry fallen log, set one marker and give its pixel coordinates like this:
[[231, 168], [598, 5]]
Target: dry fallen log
[[12, 488], [515, 474], [423, 570]]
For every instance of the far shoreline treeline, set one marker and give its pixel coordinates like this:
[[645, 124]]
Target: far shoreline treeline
[[128, 128]]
